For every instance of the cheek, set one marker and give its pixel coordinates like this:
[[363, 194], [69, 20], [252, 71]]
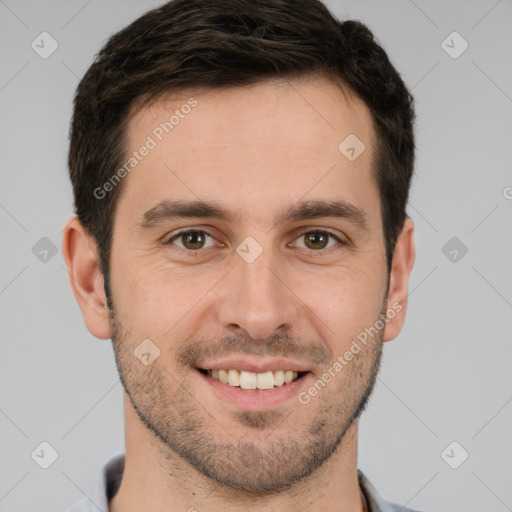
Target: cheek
[[344, 305], [159, 301]]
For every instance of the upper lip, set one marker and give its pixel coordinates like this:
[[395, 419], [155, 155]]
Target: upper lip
[[256, 366]]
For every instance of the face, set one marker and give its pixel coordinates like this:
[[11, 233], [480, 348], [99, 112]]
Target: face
[[246, 240]]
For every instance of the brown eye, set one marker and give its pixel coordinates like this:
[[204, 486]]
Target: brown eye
[[318, 240], [191, 240]]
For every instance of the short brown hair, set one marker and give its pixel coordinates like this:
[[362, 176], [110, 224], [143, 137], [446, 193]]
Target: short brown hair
[[200, 43]]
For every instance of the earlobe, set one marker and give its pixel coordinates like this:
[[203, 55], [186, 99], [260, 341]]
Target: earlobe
[[81, 256], [403, 261]]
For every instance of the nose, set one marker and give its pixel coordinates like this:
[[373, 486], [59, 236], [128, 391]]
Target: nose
[[256, 298]]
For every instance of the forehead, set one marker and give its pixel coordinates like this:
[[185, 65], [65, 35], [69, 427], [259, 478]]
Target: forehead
[[253, 147]]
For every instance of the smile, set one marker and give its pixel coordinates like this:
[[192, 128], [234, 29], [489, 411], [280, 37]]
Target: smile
[[254, 381]]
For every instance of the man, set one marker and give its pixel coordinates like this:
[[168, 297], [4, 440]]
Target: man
[[241, 171]]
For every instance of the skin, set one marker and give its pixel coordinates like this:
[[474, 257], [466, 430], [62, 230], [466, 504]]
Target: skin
[[254, 150]]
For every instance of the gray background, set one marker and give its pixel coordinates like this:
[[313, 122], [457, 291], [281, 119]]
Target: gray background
[[446, 378]]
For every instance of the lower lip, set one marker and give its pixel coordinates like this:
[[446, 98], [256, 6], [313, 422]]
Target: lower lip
[[256, 399]]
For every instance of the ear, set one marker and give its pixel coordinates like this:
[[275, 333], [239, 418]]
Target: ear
[[82, 261], [403, 261]]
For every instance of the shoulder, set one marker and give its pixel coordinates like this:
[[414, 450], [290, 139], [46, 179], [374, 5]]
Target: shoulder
[[376, 503], [103, 488]]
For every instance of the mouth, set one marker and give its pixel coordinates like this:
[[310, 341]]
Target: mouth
[[251, 381], [252, 391]]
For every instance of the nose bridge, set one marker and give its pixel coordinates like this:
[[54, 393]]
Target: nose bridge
[[255, 298]]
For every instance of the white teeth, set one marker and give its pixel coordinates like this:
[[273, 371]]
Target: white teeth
[[250, 380], [265, 380], [223, 376], [289, 375], [233, 378], [278, 378]]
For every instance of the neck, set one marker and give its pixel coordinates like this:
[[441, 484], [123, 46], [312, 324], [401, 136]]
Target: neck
[[155, 478]]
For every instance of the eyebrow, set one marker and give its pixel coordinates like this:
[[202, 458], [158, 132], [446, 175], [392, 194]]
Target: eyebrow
[[168, 210]]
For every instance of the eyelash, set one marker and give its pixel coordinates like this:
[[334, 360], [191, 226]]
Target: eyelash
[[197, 252]]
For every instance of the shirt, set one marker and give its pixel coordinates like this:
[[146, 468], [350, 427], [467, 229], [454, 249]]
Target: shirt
[[108, 481]]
